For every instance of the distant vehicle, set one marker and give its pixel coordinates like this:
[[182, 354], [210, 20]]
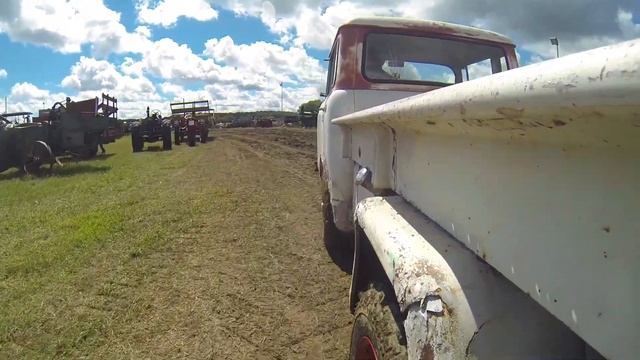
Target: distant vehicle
[[192, 119], [264, 123], [68, 127], [483, 214], [109, 108], [241, 123], [23, 117], [153, 128], [23, 144]]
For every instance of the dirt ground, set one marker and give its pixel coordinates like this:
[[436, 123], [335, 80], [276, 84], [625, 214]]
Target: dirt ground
[[253, 279]]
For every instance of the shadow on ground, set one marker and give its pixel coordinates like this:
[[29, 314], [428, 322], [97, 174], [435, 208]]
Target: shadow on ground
[[76, 170], [153, 148], [341, 255], [72, 159], [56, 171]]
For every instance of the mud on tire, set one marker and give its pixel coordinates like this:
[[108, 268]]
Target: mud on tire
[[375, 329]]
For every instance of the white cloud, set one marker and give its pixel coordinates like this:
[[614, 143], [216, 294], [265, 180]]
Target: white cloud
[[25, 96], [92, 76], [266, 60], [67, 25], [3, 73], [628, 28], [582, 24], [167, 12], [247, 76]]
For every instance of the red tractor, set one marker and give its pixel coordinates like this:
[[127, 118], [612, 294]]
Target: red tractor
[[191, 120]]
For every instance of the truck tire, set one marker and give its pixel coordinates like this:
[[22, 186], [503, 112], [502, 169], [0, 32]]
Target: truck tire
[[176, 135], [90, 149], [136, 140], [376, 334], [191, 138], [166, 138]]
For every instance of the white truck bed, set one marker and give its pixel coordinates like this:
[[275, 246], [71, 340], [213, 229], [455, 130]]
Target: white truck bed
[[537, 170]]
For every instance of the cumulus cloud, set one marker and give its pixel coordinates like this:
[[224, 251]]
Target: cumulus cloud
[[94, 76], [90, 77], [3, 73], [580, 24], [267, 60], [25, 96], [66, 25], [625, 22], [233, 76], [167, 12], [247, 76]]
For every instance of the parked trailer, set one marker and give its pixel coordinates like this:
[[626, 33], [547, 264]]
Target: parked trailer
[[69, 127], [109, 109], [78, 127], [494, 218], [23, 145]]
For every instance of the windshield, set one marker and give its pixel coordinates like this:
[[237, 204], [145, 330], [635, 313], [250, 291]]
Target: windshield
[[422, 60]]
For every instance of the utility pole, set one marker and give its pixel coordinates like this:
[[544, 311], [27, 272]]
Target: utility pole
[[554, 41], [5, 105], [281, 96]]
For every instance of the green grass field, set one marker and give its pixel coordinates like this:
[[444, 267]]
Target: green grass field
[[115, 209], [189, 253]]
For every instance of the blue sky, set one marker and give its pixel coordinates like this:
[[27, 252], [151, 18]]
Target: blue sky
[[236, 53]]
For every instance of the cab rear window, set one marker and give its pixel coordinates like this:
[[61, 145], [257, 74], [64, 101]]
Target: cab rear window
[[398, 58]]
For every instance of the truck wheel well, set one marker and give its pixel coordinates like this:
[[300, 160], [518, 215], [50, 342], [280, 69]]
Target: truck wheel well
[[367, 272]]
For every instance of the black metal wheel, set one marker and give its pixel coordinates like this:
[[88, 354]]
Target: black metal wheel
[[191, 138], [166, 138], [38, 154], [137, 143], [176, 135]]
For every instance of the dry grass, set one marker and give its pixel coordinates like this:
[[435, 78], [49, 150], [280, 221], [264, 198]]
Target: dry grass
[[206, 252]]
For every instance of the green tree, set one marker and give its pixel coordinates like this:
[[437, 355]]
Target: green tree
[[311, 106]]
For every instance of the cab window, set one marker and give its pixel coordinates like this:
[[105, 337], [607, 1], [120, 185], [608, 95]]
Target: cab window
[[398, 58], [333, 67]]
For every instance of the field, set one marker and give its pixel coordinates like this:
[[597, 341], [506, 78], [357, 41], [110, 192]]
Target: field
[[206, 252]]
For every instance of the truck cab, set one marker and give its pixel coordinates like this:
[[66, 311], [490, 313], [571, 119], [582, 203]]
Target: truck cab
[[378, 60]]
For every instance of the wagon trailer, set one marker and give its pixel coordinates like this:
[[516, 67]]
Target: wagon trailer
[[76, 127], [109, 109], [23, 145], [192, 120], [68, 128]]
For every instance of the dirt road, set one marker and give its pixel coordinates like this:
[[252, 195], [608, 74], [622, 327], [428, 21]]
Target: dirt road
[[251, 279]]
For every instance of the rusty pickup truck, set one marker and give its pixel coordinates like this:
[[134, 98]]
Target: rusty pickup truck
[[493, 210]]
